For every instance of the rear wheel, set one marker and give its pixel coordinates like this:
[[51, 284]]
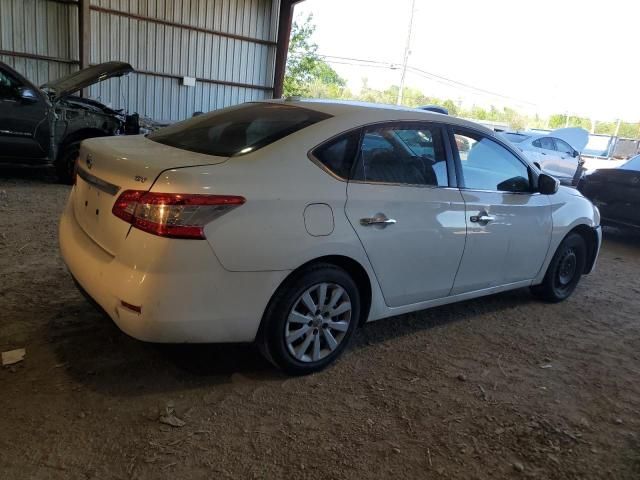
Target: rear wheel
[[564, 271], [66, 163], [311, 319]]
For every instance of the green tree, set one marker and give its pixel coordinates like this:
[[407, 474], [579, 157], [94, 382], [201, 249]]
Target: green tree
[[306, 72], [629, 130], [605, 128]]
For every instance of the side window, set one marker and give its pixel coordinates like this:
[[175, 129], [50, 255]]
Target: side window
[[563, 146], [8, 86], [337, 155], [406, 154], [546, 143], [487, 165]]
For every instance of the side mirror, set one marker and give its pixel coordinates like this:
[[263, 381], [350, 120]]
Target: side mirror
[[547, 185], [27, 95], [576, 153]]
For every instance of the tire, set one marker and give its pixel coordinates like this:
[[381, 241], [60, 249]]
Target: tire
[[564, 271], [66, 163], [300, 333]]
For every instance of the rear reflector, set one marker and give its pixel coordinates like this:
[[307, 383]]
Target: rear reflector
[[175, 215]]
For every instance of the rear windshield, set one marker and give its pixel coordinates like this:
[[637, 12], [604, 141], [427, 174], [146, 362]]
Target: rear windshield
[[515, 137], [237, 130]]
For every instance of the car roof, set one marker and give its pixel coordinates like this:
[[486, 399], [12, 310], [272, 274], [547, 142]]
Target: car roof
[[374, 112]]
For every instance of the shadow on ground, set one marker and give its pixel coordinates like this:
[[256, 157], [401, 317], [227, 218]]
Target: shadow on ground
[[99, 356], [39, 174]]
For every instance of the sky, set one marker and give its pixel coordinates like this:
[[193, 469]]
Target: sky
[[540, 57]]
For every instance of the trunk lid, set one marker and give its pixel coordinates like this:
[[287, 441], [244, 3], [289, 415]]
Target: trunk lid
[[574, 136], [107, 167], [65, 86]]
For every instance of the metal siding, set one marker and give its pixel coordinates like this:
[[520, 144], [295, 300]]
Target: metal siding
[[48, 28], [42, 28]]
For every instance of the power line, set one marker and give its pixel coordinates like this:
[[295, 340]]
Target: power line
[[357, 59], [466, 85], [337, 62], [407, 52], [432, 76]]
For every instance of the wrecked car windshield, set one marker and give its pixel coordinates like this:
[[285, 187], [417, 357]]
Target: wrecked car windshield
[[237, 130]]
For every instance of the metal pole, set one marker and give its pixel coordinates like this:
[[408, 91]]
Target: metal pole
[[285, 21], [407, 52], [617, 128], [84, 37]]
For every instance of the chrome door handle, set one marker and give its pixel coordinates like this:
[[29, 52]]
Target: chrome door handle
[[379, 220], [482, 218]]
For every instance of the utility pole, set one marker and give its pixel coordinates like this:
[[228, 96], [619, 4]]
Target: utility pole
[[617, 128], [407, 52]]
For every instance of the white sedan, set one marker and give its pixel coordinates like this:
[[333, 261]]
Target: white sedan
[[291, 223], [556, 153]]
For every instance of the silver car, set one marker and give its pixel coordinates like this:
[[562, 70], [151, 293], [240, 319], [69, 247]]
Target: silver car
[[552, 154]]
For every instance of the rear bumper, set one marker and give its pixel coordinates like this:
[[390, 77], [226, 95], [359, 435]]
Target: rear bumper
[[184, 293]]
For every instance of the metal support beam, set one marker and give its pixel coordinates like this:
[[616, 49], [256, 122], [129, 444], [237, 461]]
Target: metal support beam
[[284, 32], [35, 56], [168, 23], [84, 29], [84, 37], [205, 80]]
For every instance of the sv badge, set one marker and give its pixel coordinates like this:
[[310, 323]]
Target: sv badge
[[140, 178]]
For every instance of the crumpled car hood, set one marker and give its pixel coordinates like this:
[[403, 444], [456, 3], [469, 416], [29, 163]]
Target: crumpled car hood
[[86, 77]]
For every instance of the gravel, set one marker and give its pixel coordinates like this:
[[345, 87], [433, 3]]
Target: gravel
[[452, 392]]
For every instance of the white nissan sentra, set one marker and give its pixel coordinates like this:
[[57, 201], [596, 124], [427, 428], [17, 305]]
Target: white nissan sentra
[[291, 223]]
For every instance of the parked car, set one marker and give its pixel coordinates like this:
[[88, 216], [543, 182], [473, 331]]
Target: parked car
[[291, 223], [616, 192], [46, 125], [553, 154]]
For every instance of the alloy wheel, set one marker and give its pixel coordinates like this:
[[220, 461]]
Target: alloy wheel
[[318, 322]]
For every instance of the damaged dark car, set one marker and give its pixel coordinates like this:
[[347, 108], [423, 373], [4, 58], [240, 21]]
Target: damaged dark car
[[46, 125]]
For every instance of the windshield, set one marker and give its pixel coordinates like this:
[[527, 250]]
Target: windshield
[[515, 137], [633, 164], [237, 130]]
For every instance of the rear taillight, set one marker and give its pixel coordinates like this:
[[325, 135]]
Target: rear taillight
[[175, 215]]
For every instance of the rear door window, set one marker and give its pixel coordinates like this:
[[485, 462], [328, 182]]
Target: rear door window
[[237, 130], [544, 142], [337, 155]]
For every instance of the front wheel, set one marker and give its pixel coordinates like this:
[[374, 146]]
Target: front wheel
[[311, 319], [564, 271], [66, 163]]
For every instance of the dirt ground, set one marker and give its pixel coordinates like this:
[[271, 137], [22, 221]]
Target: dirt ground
[[500, 387]]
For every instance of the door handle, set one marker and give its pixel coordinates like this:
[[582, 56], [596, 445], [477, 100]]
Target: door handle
[[378, 220], [483, 218]]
